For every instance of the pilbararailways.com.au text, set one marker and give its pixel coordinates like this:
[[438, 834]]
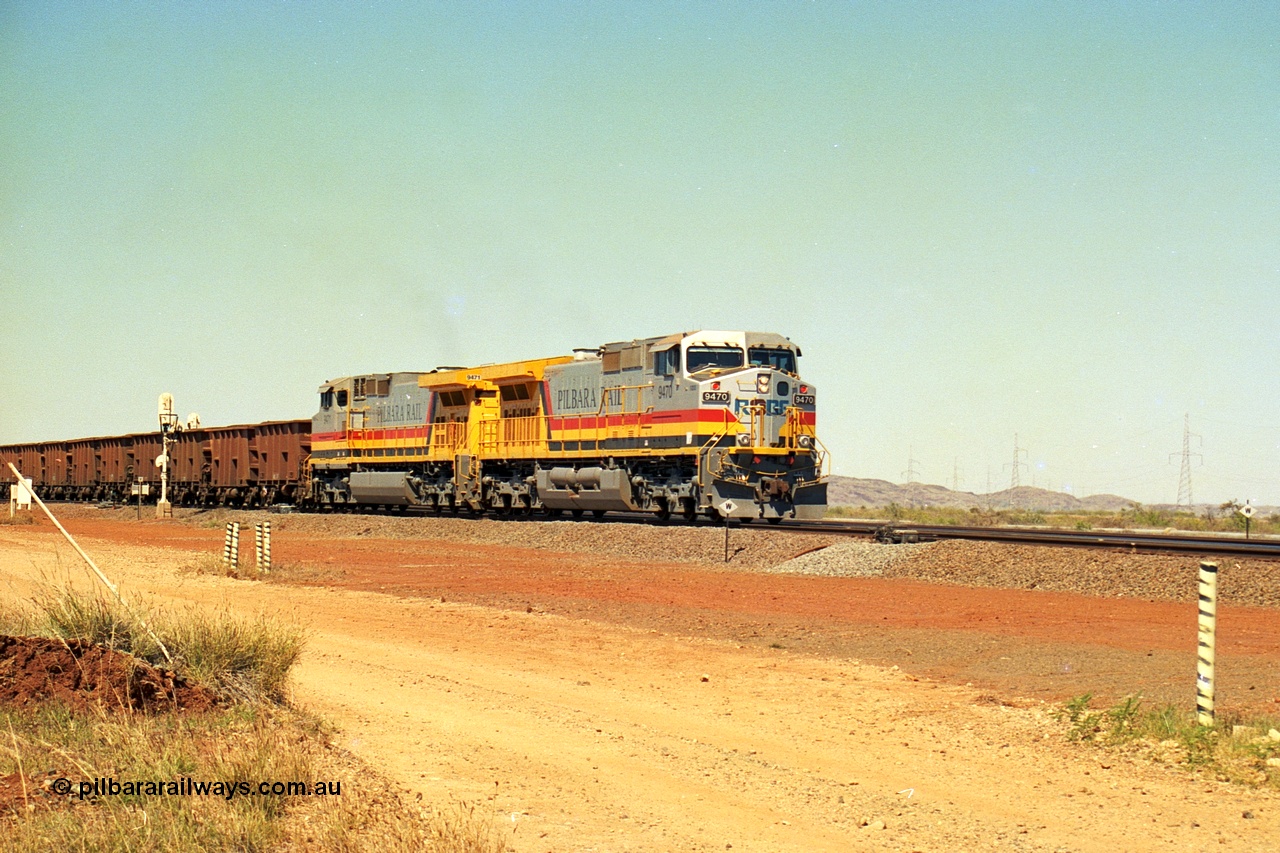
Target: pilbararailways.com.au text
[[188, 787]]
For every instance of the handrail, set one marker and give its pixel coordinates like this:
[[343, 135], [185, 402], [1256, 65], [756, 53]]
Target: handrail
[[715, 439], [621, 390], [796, 427]]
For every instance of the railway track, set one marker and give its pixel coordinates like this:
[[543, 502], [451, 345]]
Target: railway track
[[1207, 545], [1200, 544], [1136, 542]]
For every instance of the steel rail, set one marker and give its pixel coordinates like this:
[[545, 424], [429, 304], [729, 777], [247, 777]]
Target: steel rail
[[894, 532], [1139, 542]]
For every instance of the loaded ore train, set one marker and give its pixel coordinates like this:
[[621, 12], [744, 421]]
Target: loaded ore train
[[708, 423]]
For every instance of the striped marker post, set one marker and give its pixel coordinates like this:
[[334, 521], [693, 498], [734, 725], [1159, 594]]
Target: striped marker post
[[266, 547], [1208, 629], [231, 546], [262, 545]]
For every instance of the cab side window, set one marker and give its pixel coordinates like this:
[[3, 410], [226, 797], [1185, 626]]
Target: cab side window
[[667, 362]]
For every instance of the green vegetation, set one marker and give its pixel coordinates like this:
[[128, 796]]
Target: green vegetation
[[1236, 749], [253, 737], [1223, 519]]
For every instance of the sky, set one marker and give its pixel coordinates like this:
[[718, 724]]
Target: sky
[[1053, 221]]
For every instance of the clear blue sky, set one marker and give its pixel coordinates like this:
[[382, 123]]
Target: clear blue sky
[[1058, 220]]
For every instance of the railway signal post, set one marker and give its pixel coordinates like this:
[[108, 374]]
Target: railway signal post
[[168, 425]]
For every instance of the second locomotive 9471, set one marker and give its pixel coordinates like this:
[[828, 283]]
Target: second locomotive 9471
[[708, 422]]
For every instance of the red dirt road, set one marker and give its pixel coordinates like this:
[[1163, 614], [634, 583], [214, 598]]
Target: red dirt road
[[1034, 643]]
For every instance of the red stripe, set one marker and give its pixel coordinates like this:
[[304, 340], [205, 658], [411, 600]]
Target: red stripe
[[717, 416], [373, 434]]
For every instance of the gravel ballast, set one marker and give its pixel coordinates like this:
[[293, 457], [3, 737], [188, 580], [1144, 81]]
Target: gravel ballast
[[759, 548]]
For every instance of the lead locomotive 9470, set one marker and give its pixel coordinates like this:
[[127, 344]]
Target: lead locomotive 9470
[[709, 422], [704, 422]]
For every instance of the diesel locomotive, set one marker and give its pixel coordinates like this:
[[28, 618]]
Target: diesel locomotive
[[714, 423], [718, 423]]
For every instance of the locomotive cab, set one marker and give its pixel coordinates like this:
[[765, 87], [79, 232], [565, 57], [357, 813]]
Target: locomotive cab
[[765, 460]]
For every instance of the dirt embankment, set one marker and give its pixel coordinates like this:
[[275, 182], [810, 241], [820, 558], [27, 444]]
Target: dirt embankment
[[83, 676]]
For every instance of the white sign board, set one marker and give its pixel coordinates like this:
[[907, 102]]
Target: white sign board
[[727, 507], [1246, 511], [20, 495]]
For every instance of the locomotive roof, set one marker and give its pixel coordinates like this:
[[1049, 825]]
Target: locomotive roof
[[710, 336]]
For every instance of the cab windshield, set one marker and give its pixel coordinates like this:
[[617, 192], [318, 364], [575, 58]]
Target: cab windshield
[[705, 358], [779, 359]]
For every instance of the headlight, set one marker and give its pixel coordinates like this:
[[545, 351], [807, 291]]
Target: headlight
[[744, 439], [805, 442]]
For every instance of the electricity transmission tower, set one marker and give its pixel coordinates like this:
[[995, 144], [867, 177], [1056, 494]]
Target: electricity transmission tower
[[1017, 464], [955, 475], [1184, 475], [912, 473]]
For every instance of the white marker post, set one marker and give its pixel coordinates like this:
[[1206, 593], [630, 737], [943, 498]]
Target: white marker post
[[231, 547], [727, 506], [1208, 629]]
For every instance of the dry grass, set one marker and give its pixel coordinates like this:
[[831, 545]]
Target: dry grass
[[304, 575], [291, 573], [254, 740], [243, 660], [243, 744]]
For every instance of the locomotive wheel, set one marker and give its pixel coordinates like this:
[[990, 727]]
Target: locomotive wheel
[[598, 513], [664, 510], [577, 513], [689, 510], [777, 519]]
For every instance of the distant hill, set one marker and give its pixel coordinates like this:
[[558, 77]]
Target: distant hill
[[855, 491]]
